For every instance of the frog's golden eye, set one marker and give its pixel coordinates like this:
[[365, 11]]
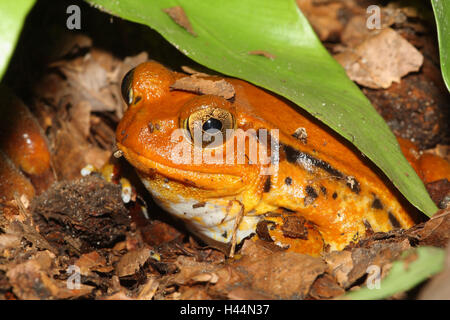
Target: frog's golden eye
[[127, 87], [209, 126]]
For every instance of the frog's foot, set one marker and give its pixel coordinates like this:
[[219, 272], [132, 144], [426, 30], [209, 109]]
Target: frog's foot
[[111, 173], [292, 232]]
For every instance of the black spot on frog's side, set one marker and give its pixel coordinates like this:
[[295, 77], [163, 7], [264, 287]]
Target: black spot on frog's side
[[306, 160], [311, 195], [335, 195], [376, 204], [323, 190], [225, 234], [137, 100], [267, 185], [394, 222], [288, 181]]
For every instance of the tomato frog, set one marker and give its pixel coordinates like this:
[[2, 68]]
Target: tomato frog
[[334, 194]]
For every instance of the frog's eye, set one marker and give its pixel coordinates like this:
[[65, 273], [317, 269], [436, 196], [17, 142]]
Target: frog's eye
[[209, 126], [127, 87]]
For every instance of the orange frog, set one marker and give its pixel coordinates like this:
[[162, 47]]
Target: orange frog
[[188, 150]]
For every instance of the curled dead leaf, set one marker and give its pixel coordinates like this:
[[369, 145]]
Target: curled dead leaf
[[194, 84]]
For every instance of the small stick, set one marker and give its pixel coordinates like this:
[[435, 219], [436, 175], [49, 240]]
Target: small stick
[[237, 221]]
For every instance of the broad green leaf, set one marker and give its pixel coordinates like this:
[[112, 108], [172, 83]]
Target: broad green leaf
[[404, 274], [302, 70], [441, 10], [12, 17]]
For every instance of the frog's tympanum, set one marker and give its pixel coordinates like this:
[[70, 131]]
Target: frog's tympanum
[[314, 176]]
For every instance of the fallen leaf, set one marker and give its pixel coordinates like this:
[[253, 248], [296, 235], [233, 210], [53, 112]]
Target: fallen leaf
[[380, 60], [325, 287], [340, 264], [179, 17], [30, 280], [192, 271], [439, 286], [91, 261], [434, 232], [148, 290], [324, 17], [132, 261], [262, 53], [195, 84]]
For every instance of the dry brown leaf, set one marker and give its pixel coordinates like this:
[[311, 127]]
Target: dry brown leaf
[[435, 232], [262, 53], [378, 254], [325, 287], [247, 294], [121, 295], [439, 191], [380, 60], [324, 18], [278, 274], [440, 150], [439, 286], [92, 261], [192, 271], [148, 290], [89, 81], [71, 148], [27, 231], [30, 280], [194, 72], [71, 43], [193, 293], [195, 84], [340, 264], [8, 240], [80, 115], [132, 261], [179, 17]]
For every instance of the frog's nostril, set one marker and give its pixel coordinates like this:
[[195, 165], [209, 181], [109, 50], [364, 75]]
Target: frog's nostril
[[127, 87], [212, 124]]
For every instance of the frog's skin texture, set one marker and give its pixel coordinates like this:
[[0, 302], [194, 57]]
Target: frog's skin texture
[[321, 177], [24, 147]]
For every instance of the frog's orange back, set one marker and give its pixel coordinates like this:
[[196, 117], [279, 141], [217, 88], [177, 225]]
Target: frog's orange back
[[321, 177]]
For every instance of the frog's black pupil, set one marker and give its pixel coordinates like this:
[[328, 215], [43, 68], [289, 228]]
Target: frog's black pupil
[[126, 85], [212, 124]]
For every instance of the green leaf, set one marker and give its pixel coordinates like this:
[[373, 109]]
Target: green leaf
[[404, 275], [12, 17], [302, 70], [441, 10]]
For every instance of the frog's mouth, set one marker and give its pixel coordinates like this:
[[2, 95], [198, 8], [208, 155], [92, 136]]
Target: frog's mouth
[[222, 183]]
